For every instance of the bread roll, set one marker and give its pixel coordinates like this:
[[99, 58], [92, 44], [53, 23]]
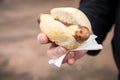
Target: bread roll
[[63, 27]]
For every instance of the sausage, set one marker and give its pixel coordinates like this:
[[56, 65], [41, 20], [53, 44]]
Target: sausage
[[82, 34]]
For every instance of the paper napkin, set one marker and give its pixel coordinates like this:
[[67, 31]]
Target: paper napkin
[[90, 44]]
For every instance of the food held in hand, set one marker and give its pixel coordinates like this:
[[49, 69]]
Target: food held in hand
[[66, 26]]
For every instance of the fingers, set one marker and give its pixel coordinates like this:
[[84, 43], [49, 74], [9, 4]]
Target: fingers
[[73, 56], [56, 51], [79, 54], [69, 59], [42, 38]]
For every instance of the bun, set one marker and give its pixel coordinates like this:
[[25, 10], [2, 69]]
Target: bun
[[63, 27], [71, 16]]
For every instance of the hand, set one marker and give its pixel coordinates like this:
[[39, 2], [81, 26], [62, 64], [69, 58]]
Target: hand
[[55, 51]]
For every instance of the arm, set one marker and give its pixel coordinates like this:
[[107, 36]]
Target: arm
[[101, 14]]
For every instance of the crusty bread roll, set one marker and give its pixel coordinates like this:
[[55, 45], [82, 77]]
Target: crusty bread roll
[[66, 26]]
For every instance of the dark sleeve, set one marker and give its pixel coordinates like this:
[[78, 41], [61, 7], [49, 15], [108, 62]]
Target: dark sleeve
[[101, 14]]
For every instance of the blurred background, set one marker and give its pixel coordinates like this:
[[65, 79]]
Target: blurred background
[[23, 58]]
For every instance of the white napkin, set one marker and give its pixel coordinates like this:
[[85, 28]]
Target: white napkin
[[90, 44]]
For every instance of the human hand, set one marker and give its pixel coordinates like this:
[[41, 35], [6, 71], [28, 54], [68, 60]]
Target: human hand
[[55, 51]]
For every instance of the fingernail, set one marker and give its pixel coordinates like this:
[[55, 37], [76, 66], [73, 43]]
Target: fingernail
[[61, 50], [41, 38], [71, 61], [71, 54]]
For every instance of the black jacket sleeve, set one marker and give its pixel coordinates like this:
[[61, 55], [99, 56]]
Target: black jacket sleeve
[[101, 14]]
